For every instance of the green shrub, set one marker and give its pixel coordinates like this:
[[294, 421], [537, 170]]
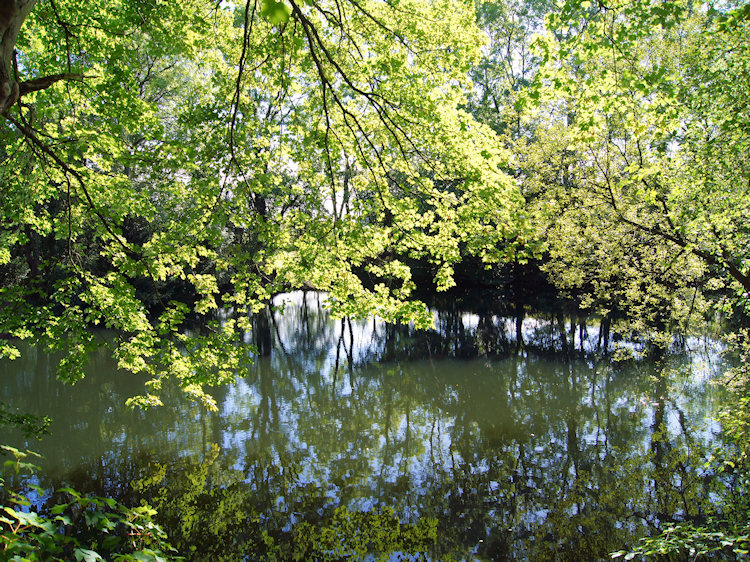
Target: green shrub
[[72, 526]]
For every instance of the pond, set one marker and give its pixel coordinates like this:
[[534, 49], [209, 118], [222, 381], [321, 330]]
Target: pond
[[459, 442]]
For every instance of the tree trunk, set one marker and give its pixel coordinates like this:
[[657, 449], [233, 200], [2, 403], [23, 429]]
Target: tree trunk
[[604, 333], [563, 335], [12, 15], [519, 327]]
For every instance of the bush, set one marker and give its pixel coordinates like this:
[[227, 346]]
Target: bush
[[72, 526]]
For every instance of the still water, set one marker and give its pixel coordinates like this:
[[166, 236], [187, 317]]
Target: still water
[[482, 449]]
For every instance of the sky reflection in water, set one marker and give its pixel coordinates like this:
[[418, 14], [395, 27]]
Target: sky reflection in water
[[516, 455]]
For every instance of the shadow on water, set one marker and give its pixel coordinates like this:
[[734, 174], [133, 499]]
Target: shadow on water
[[483, 448]]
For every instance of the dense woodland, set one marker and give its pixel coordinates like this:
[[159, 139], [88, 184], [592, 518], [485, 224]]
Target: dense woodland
[[167, 167]]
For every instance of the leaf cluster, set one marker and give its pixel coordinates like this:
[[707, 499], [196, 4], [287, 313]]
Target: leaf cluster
[[74, 527]]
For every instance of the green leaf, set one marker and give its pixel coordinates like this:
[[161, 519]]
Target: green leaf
[[59, 508], [276, 12], [86, 555]]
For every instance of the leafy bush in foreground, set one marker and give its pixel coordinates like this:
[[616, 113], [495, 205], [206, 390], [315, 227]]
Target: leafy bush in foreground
[[72, 526]]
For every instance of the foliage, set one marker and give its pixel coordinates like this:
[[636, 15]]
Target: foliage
[[209, 505], [214, 154], [74, 527], [356, 534], [629, 127], [631, 152], [29, 424], [508, 64], [687, 540]]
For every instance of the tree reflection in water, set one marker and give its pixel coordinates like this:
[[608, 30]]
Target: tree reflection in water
[[480, 446]]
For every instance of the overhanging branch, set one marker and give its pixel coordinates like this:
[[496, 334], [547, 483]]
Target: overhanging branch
[[45, 82]]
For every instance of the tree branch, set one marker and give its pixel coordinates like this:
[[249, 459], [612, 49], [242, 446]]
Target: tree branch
[[45, 82]]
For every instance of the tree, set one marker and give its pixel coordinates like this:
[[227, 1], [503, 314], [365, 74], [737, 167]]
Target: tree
[[640, 170], [637, 164], [211, 155], [660, 88]]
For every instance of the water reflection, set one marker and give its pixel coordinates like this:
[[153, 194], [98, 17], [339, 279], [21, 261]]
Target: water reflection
[[510, 455]]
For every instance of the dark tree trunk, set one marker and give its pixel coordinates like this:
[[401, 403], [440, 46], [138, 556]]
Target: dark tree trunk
[[12, 15], [563, 335], [604, 333], [262, 330], [519, 327]]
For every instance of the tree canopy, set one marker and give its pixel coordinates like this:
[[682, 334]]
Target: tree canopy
[[227, 152], [627, 124], [169, 162]]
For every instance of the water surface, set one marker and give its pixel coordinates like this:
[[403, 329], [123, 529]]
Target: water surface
[[508, 453]]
